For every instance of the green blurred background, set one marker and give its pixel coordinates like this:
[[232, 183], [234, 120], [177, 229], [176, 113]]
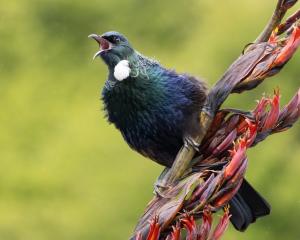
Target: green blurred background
[[65, 173]]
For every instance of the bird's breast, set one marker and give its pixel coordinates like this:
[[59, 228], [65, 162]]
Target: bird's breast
[[153, 128]]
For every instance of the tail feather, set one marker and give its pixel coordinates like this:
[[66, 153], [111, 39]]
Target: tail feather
[[246, 206]]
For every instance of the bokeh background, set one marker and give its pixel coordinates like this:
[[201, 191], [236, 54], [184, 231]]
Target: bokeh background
[[65, 173]]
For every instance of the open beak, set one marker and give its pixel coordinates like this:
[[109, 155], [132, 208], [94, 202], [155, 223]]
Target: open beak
[[104, 44]]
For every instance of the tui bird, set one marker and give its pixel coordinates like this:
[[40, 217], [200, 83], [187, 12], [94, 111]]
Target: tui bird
[[157, 111]]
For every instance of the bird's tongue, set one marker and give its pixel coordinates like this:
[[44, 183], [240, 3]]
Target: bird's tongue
[[103, 43]]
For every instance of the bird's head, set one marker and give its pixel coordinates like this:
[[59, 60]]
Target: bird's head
[[114, 47]]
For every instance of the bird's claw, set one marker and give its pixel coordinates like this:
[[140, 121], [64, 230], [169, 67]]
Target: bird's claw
[[159, 190], [190, 142]]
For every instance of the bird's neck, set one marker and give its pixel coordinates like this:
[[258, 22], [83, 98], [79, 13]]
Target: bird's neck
[[141, 66]]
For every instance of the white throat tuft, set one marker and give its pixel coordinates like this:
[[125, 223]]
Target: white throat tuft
[[122, 70]]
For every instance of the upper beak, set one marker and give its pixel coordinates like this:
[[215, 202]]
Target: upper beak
[[103, 44], [96, 37]]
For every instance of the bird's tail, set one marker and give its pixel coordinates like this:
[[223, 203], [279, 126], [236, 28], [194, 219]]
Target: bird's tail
[[246, 206]]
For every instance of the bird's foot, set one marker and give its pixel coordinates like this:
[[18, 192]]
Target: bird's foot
[[190, 142], [160, 186], [160, 189]]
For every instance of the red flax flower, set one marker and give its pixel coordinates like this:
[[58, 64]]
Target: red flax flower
[[221, 227], [205, 227], [291, 45], [194, 231], [176, 233], [154, 231]]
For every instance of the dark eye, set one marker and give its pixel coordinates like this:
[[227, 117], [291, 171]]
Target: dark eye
[[117, 39]]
